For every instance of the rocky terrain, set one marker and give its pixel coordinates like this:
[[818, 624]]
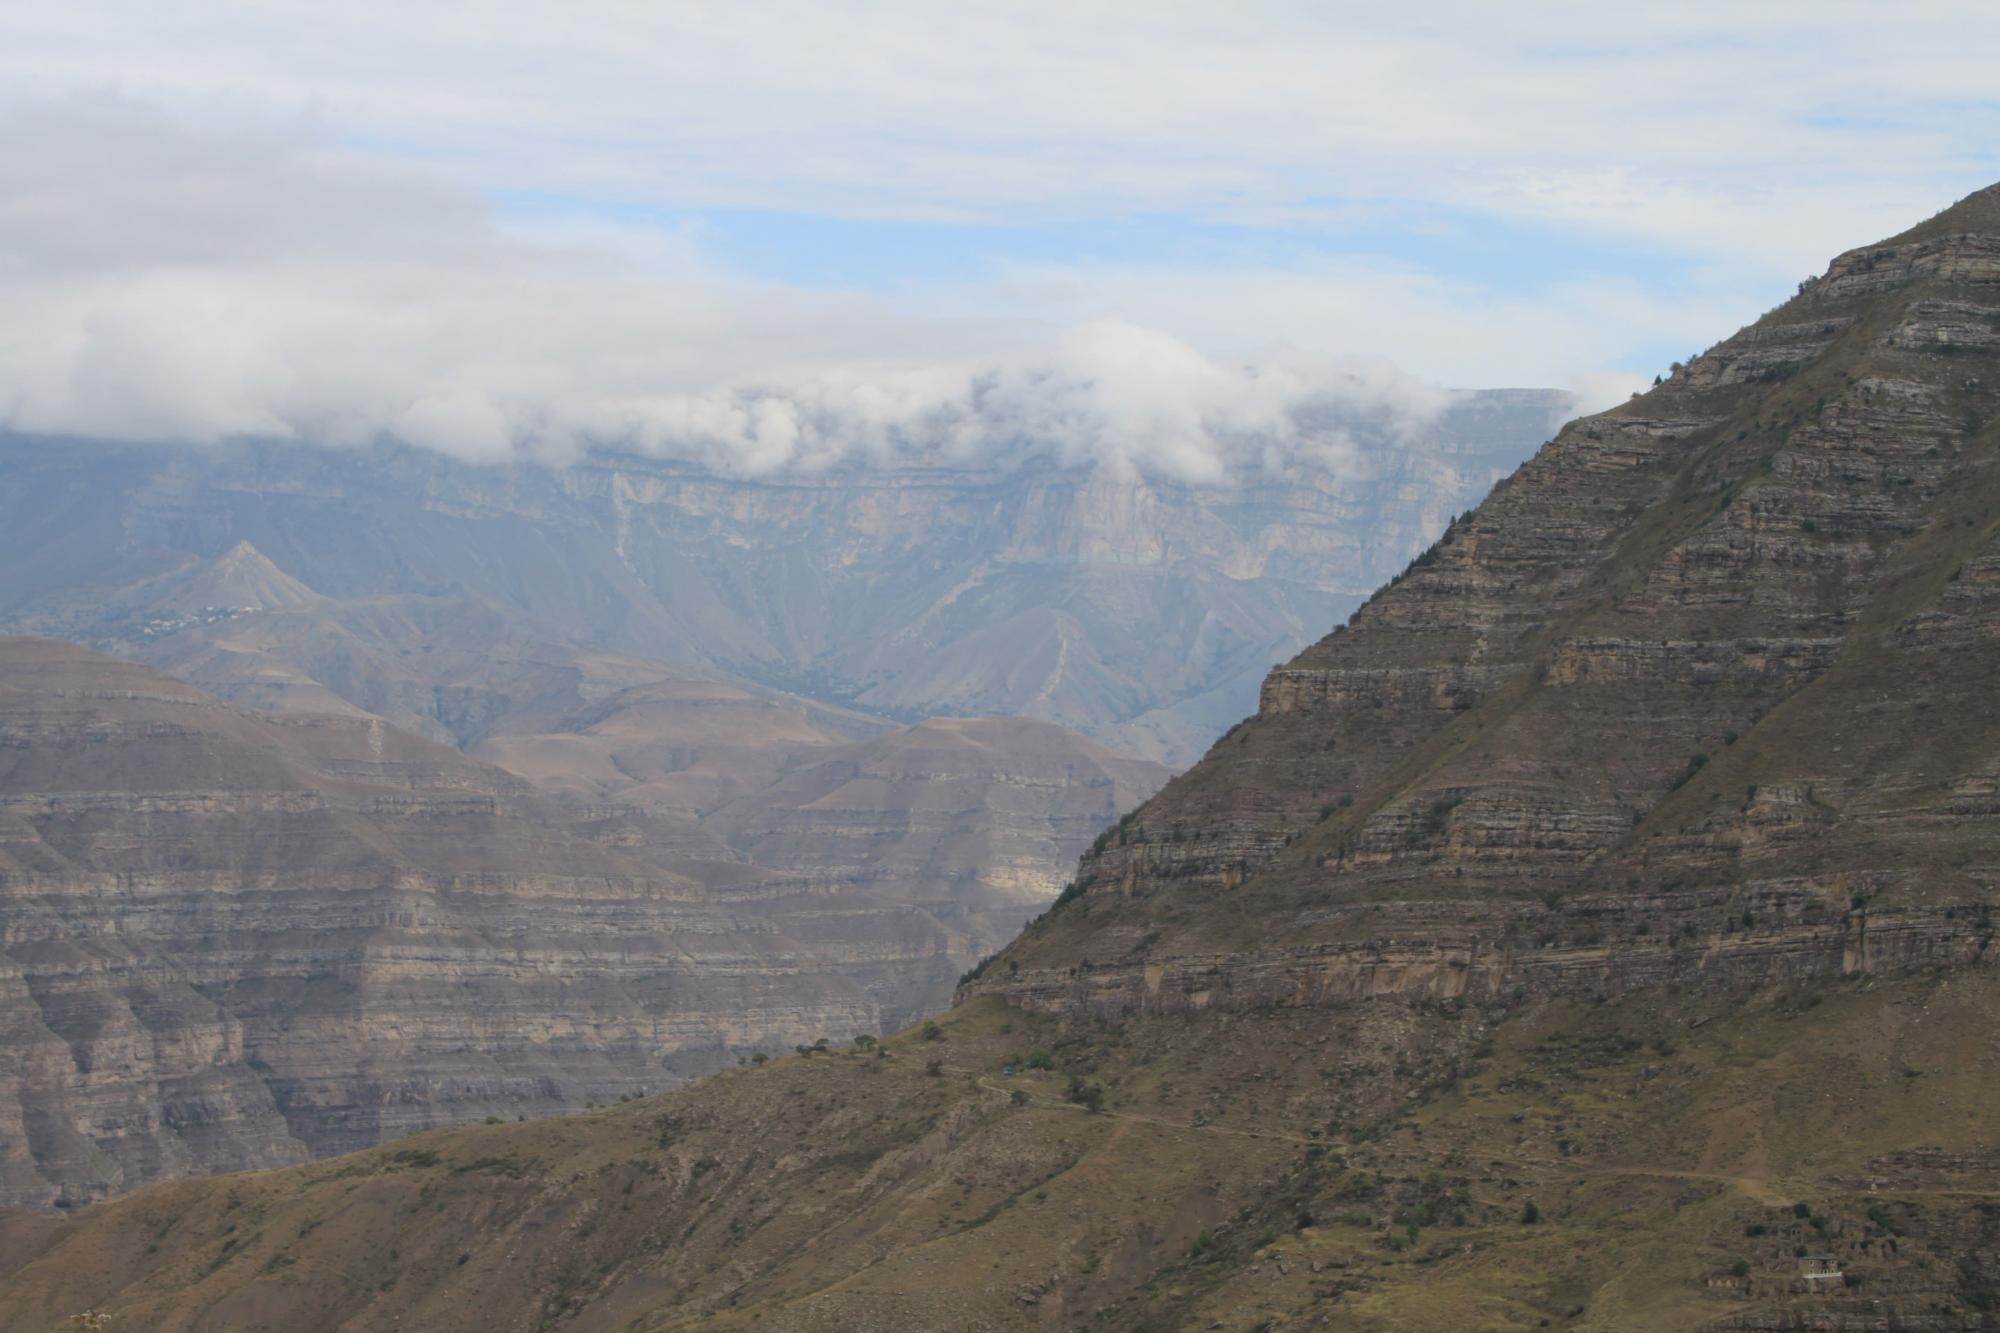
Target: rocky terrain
[[232, 939], [1592, 933], [975, 820], [1137, 610]]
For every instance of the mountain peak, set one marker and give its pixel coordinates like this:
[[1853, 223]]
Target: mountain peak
[[1978, 212], [242, 578]]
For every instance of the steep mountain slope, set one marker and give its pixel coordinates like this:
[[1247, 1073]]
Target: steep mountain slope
[[1594, 933], [975, 820], [233, 940], [1139, 611], [1713, 661], [264, 937]]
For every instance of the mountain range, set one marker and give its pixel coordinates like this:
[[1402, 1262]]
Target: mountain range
[[1138, 610], [1592, 932], [235, 939]]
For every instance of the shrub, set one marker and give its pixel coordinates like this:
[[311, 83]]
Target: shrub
[[1090, 1096], [1530, 1214]]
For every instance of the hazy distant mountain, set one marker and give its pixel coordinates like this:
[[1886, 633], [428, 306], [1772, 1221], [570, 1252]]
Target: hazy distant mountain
[[1139, 611]]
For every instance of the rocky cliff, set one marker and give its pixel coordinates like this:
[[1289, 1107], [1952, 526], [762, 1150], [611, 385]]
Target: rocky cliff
[[232, 940], [1698, 696]]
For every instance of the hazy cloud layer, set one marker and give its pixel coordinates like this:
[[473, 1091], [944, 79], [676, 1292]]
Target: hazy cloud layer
[[1771, 131], [224, 218], [159, 281]]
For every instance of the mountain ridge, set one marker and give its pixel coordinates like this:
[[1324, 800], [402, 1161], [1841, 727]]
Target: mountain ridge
[[870, 587]]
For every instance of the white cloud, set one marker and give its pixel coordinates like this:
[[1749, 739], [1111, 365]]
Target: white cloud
[[1772, 133], [160, 281], [223, 218]]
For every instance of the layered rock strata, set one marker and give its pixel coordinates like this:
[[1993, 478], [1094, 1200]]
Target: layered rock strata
[[232, 940], [1727, 647]]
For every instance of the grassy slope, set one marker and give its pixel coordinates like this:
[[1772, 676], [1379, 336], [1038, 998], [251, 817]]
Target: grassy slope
[[847, 1190]]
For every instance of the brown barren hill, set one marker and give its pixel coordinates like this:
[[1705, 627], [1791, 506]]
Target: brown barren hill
[[1594, 933]]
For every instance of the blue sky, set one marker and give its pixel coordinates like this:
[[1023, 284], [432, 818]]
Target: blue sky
[[889, 254], [525, 222]]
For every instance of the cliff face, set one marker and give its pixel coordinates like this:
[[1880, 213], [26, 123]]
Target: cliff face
[[231, 940], [1141, 612], [1700, 695], [973, 820]]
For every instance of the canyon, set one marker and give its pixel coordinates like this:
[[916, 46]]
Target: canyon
[[1593, 932]]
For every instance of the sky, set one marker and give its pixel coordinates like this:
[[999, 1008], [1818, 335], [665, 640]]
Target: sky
[[779, 235]]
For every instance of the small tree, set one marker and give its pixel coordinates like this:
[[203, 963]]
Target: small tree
[[1090, 1096], [932, 1032], [864, 1042], [1530, 1214]]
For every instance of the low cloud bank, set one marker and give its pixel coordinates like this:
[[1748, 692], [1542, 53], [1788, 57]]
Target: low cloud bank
[[160, 281]]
